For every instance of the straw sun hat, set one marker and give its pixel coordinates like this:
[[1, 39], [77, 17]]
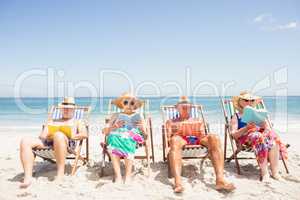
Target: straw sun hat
[[245, 95], [68, 102], [119, 102]]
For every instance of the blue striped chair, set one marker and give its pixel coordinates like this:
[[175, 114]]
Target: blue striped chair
[[74, 146], [189, 151], [148, 153], [229, 111]]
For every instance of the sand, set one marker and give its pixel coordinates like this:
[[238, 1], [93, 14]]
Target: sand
[[86, 184]]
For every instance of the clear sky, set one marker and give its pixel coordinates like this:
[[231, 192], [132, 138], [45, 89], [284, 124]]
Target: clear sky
[[152, 41]]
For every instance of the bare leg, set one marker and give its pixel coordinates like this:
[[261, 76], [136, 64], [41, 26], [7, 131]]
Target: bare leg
[[128, 170], [274, 159], [27, 158], [176, 145], [264, 170], [212, 142], [60, 144], [117, 169]]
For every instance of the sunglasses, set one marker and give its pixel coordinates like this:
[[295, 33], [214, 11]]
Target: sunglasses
[[246, 100], [126, 102]]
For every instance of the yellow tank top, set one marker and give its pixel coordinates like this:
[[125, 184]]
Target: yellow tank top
[[65, 129]]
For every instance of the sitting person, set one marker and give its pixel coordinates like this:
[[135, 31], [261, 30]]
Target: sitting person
[[124, 131], [179, 131], [55, 134], [262, 139]]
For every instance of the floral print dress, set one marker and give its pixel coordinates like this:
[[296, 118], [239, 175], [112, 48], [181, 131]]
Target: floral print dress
[[261, 141]]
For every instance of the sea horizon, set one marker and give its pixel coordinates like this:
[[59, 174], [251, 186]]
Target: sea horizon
[[284, 110]]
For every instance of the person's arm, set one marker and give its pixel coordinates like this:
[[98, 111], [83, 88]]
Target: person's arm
[[112, 124], [44, 133], [141, 124], [265, 125], [82, 131], [172, 128], [235, 132], [198, 127]]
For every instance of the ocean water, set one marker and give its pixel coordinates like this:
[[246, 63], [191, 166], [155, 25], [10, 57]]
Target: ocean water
[[32, 112]]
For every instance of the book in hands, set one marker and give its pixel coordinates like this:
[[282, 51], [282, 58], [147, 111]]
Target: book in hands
[[129, 120], [254, 115]]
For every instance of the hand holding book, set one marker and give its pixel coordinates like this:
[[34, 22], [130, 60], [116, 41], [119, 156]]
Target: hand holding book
[[257, 116]]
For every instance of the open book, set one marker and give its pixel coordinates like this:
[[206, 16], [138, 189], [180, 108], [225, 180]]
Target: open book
[[254, 115], [129, 120]]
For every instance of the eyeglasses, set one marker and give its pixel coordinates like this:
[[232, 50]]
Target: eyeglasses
[[247, 100], [126, 102]]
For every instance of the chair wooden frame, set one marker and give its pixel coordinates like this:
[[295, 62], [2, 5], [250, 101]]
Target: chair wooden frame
[[229, 112], [147, 145], [47, 154], [169, 112]]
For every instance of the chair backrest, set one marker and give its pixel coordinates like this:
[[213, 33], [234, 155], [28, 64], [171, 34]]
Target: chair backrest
[[80, 113], [170, 112], [229, 110], [143, 110]]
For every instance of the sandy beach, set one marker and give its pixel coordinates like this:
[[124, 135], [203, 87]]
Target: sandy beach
[[170, 60], [86, 184]]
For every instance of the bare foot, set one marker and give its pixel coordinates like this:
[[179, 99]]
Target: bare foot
[[276, 177], [224, 186], [118, 180], [178, 188], [265, 178], [25, 184]]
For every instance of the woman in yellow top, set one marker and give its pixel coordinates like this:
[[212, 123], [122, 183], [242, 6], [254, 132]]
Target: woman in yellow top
[[57, 134]]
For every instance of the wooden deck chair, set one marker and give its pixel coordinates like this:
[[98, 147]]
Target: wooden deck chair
[[74, 146], [189, 151], [229, 111], [148, 153]]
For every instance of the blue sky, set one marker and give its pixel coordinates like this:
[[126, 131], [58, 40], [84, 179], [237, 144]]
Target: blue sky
[[153, 41]]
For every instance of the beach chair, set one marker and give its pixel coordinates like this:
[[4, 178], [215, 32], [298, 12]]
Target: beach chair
[[229, 111], [144, 152], [74, 146], [189, 151]]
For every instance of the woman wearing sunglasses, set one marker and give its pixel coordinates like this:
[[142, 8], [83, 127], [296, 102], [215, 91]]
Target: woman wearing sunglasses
[[124, 131], [261, 139]]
